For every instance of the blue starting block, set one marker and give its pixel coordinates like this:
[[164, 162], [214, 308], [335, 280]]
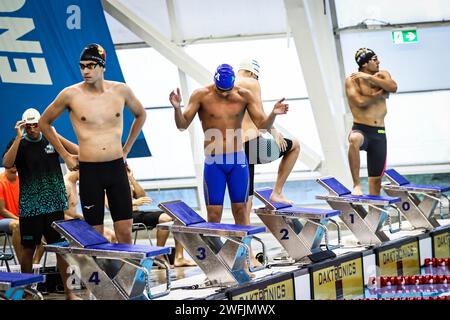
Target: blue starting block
[[222, 262], [13, 285], [418, 202], [110, 271], [366, 225], [300, 239]]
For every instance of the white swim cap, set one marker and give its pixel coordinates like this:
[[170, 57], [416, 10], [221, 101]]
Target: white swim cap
[[251, 65], [31, 115]]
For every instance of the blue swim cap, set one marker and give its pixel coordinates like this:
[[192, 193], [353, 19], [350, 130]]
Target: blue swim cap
[[224, 77]]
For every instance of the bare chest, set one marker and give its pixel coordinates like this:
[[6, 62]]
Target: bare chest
[[366, 88], [222, 110], [97, 110]]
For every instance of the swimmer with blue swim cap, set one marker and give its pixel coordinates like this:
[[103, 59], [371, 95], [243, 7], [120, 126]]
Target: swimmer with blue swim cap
[[221, 107], [224, 77]]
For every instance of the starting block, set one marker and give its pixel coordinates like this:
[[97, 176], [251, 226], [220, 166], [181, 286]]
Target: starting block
[[299, 239], [418, 212], [109, 271], [222, 262], [13, 285], [366, 225]]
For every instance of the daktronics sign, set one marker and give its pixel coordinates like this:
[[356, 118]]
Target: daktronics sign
[[399, 259], [278, 288], [441, 243], [338, 279]]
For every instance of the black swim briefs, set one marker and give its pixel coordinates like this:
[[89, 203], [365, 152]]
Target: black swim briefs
[[32, 228], [262, 150], [375, 145], [96, 178]]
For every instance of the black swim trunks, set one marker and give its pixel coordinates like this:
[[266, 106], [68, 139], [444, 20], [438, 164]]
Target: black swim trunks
[[96, 178], [32, 228], [149, 218], [375, 145], [262, 150]]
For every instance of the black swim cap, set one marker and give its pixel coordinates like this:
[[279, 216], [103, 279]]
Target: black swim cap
[[363, 55], [94, 52]]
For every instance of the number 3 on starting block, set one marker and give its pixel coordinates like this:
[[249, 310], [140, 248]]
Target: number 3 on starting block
[[202, 253]]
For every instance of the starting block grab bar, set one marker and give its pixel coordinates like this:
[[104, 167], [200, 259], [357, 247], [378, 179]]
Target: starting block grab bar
[[366, 225], [388, 217], [299, 239], [13, 285], [110, 271], [419, 212], [217, 230], [224, 263]]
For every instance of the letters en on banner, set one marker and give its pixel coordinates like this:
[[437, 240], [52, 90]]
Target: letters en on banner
[[274, 289], [441, 244], [342, 280], [400, 260], [40, 45]]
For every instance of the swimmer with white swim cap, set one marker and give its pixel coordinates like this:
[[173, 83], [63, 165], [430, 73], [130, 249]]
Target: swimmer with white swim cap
[[259, 149]]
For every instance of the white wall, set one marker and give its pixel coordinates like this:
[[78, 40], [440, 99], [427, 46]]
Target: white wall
[[417, 66], [152, 78], [417, 124], [351, 12]]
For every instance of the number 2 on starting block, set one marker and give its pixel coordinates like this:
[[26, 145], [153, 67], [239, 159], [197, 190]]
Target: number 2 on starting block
[[285, 233]]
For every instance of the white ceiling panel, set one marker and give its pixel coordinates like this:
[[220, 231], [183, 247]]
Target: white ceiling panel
[[352, 12], [205, 19], [154, 11]]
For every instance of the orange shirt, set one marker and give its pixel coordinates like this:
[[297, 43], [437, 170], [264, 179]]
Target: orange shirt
[[9, 193]]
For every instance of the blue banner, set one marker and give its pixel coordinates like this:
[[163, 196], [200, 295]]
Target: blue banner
[[40, 46]]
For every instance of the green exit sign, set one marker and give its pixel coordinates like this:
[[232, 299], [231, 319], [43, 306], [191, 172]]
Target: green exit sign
[[404, 36]]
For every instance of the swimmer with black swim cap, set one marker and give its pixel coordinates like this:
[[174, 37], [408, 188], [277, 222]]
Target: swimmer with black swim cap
[[94, 52], [363, 56], [367, 91], [91, 56], [96, 109]]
